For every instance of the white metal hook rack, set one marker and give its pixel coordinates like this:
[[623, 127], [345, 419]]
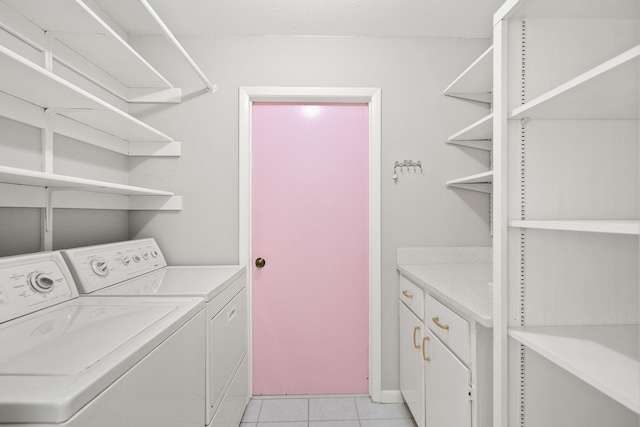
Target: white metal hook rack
[[406, 164]]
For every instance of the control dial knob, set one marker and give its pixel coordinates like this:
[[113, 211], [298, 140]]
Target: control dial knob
[[101, 268], [41, 283]]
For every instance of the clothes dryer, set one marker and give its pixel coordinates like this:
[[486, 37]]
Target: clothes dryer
[[99, 362], [137, 268]]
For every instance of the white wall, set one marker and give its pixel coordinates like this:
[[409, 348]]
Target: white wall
[[416, 119]]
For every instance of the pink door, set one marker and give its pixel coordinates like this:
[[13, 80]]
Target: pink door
[[310, 225]]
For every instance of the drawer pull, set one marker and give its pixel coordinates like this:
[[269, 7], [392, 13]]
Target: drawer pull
[[424, 346], [416, 329], [407, 294], [436, 320]]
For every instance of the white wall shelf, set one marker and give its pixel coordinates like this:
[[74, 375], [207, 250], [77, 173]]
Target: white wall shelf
[[34, 84], [606, 357], [597, 226], [10, 175], [24, 196], [476, 82], [477, 135], [608, 91], [73, 24], [479, 182]]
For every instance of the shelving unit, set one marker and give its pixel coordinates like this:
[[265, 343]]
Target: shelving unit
[[475, 84], [566, 279], [61, 63], [602, 226], [608, 91], [68, 28], [479, 182], [476, 135], [605, 357], [31, 83]]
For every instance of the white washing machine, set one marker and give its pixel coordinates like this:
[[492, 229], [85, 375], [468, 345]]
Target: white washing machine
[[137, 268], [99, 362]]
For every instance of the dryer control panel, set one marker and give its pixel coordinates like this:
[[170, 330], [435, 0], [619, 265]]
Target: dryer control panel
[[100, 266], [32, 282]]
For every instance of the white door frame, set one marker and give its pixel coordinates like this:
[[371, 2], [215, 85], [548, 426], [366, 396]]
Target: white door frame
[[371, 96]]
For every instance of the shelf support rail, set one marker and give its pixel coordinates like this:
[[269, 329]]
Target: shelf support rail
[[211, 88]]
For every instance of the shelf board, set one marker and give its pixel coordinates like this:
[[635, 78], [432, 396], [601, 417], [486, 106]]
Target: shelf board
[[605, 357], [32, 83], [476, 82], [594, 226], [572, 9], [608, 91], [83, 31], [10, 175], [477, 135], [479, 182]]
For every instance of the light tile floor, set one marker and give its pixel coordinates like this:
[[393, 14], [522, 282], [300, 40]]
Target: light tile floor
[[324, 412]]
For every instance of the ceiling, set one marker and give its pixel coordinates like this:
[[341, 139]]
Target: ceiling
[[374, 18]]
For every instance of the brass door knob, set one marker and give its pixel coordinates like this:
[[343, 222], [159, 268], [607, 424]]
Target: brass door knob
[[260, 262]]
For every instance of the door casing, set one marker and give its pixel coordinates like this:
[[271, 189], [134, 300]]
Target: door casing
[[370, 96]]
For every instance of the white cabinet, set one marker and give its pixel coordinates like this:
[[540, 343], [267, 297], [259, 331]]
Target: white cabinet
[[566, 197], [412, 365], [445, 359], [448, 391]]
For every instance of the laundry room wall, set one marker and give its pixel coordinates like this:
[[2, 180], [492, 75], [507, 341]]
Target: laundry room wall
[[418, 210]]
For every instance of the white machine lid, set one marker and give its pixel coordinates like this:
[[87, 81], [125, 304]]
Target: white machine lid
[[204, 281], [55, 361], [70, 338]]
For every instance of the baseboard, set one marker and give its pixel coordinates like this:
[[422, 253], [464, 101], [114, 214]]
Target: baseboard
[[391, 396]]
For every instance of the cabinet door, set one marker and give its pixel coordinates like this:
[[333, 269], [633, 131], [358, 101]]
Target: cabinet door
[[411, 363], [447, 386]]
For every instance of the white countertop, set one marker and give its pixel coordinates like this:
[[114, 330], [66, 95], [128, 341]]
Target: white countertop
[[464, 288]]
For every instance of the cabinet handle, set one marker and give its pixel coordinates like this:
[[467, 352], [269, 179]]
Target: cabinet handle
[[436, 320], [424, 356], [416, 329], [407, 294]]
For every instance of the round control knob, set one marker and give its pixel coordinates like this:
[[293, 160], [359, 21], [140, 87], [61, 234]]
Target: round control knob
[[154, 254], [101, 268], [136, 258], [126, 260], [145, 255], [41, 283]]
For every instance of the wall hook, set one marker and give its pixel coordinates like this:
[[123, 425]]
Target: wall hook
[[406, 164]]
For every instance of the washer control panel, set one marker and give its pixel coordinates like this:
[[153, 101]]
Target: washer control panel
[[32, 282], [98, 267]]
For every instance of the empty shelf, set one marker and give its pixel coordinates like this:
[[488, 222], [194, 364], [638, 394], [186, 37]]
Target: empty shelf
[[594, 226], [477, 135], [480, 182], [606, 357], [476, 82], [608, 91], [83, 31], [9, 175], [32, 83]]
